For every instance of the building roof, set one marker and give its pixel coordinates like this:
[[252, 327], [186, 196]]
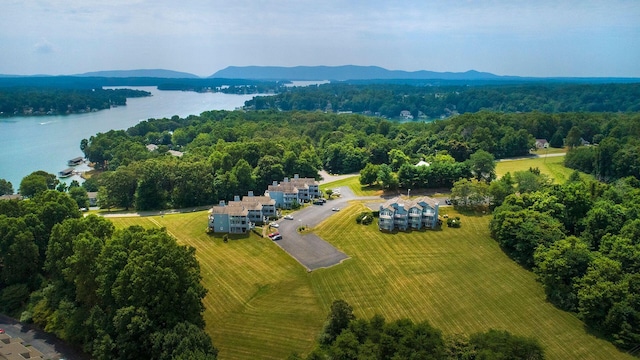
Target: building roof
[[230, 210], [262, 200], [14, 349], [304, 181], [249, 205], [283, 187], [407, 204], [11, 197]]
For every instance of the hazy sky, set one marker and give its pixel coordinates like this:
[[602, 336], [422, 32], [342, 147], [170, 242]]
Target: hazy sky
[[527, 38]]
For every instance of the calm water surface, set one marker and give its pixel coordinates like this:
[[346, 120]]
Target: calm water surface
[[47, 142]]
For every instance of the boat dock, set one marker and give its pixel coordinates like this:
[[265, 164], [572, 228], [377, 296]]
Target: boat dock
[[75, 161], [66, 173]]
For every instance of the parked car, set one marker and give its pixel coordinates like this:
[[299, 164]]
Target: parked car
[[318, 202], [273, 234], [288, 217], [447, 201], [1, 331], [277, 237], [274, 224]]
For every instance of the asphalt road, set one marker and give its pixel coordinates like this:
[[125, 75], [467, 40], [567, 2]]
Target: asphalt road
[[309, 249], [50, 346]]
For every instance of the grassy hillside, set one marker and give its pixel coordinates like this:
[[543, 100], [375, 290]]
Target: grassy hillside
[[263, 304], [552, 166]]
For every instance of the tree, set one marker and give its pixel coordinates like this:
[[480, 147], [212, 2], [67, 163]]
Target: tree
[[369, 175], [6, 188], [338, 319], [573, 137], [397, 158], [531, 180], [500, 189], [120, 186], [482, 165], [33, 184], [387, 178], [244, 174], [469, 194], [559, 267], [502, 345], [604, 217], [79, 195], [329, 192], [519, 233], [269, 169]]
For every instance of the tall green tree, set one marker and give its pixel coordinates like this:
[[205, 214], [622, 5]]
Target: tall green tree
[[482, 165], [6, 188], [559, 267]]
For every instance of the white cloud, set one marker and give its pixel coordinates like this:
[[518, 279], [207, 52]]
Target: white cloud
[[44, 47]]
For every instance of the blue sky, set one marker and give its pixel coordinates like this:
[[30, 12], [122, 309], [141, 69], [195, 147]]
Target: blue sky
[[526, 38]]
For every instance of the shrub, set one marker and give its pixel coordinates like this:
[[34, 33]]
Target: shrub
[[454, 223], [365, 218]]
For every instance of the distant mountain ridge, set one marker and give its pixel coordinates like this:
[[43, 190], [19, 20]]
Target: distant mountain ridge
[[346, 72], [152, 73]]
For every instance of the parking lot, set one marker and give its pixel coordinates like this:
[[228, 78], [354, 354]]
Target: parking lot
[[309, 249]]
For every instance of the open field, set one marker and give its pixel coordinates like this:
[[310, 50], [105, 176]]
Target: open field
[[353, 183], [551, 166], [263, 304]]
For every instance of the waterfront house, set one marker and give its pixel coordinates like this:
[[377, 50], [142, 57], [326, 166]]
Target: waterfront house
[[405, 214]]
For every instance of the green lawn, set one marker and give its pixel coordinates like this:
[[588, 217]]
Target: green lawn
[[263, 304], [354, 184], [552, 166]]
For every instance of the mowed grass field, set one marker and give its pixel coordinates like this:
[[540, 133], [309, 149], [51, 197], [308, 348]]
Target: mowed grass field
[[353, 183], [263, 304], [551, 166]]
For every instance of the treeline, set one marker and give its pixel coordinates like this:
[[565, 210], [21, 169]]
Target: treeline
[[346, 337], [388, 100], [54, 101], [117, 294], [617, 154], [229, 153], [582, 239]]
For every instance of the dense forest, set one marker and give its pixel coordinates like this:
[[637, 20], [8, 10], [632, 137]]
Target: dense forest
[[53, 101], [434, 102], [126, 294], [229, 153]]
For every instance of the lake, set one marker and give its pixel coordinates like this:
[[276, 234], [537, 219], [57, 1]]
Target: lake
[[47, 142]]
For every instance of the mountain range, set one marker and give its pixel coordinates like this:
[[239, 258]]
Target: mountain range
[[346, 72], [335, 73], [153, 73]]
